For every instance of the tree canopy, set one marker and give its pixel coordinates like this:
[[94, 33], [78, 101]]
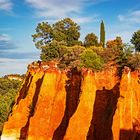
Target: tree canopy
[[115, 42], [66, 31], [91, 40], [43, 35], [90, 59], [136, 40], [8, 91], [102, 34], [60, 42]]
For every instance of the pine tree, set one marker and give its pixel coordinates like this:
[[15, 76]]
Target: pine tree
[[102, 34]]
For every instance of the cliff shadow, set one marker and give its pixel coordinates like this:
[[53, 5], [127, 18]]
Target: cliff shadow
[[129, 135], [73, 90], [104, 110], [24, 130], [24, 90]]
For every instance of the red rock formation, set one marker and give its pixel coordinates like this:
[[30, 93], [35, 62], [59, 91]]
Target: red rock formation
[[75, 105], [128, 108]]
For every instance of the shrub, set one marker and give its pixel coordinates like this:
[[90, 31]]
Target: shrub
[[90, 59], [91, 40], [49, 53], [71, 56], [134, 62]]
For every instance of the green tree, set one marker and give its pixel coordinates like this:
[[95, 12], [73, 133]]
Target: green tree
[[115, 43], [119, 41], [50, 38], [136, 40], [91, 40], [102, 34], [43, 35], [8, 91], [53, 51], [134, 61], [71, 56], [66, 30], [90, 59]]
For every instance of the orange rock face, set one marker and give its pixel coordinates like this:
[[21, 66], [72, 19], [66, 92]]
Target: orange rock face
[[75, 105], [128, 108]]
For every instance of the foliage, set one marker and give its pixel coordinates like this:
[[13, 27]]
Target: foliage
[[116, 53], [60, 42], [134, 62], [114, 50], [71, 57], [65, 30], [102, 34], [98, 49], [90, 59], [43, 35], [109, 54], [122, 58], [91, 40], [51, 52], [8, 90], [136, 40], [114, 43], [54, 51], [15, 75]]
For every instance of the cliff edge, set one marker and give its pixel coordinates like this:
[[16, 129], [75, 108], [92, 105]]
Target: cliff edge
[[55, 104]]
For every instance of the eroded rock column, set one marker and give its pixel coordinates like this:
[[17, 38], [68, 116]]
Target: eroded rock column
[[50, 106], [80, 122], [20, 113]]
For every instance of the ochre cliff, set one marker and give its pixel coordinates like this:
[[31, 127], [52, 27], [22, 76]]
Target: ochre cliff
[[76, 105]]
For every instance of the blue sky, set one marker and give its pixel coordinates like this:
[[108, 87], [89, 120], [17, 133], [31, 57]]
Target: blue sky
[[19, 18]]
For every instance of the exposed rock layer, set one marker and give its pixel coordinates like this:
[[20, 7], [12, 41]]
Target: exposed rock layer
[[76, 105]]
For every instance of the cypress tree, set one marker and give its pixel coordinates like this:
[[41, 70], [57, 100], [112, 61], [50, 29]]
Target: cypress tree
[[102, 34]]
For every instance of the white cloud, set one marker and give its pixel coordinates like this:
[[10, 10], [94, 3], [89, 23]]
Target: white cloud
[[82, 20], [55, 8], [6, 5], [6, 43], [125, 35], [4, 37], [59, 8], [79, 20], [20, 66], [127, 25], [132, 17], [125, 30]]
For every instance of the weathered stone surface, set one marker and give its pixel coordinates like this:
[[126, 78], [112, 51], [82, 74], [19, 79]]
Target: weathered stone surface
[[76, 105], [20, 112], [80, 122], [50, 106], [128, 108]]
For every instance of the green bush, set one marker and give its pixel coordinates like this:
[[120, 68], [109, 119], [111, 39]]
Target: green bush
[[134, 62], [50, 53], [91, 40], [71, 56], [90, 59]]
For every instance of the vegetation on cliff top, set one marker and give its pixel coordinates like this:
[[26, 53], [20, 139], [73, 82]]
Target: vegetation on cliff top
[[60, 42]]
